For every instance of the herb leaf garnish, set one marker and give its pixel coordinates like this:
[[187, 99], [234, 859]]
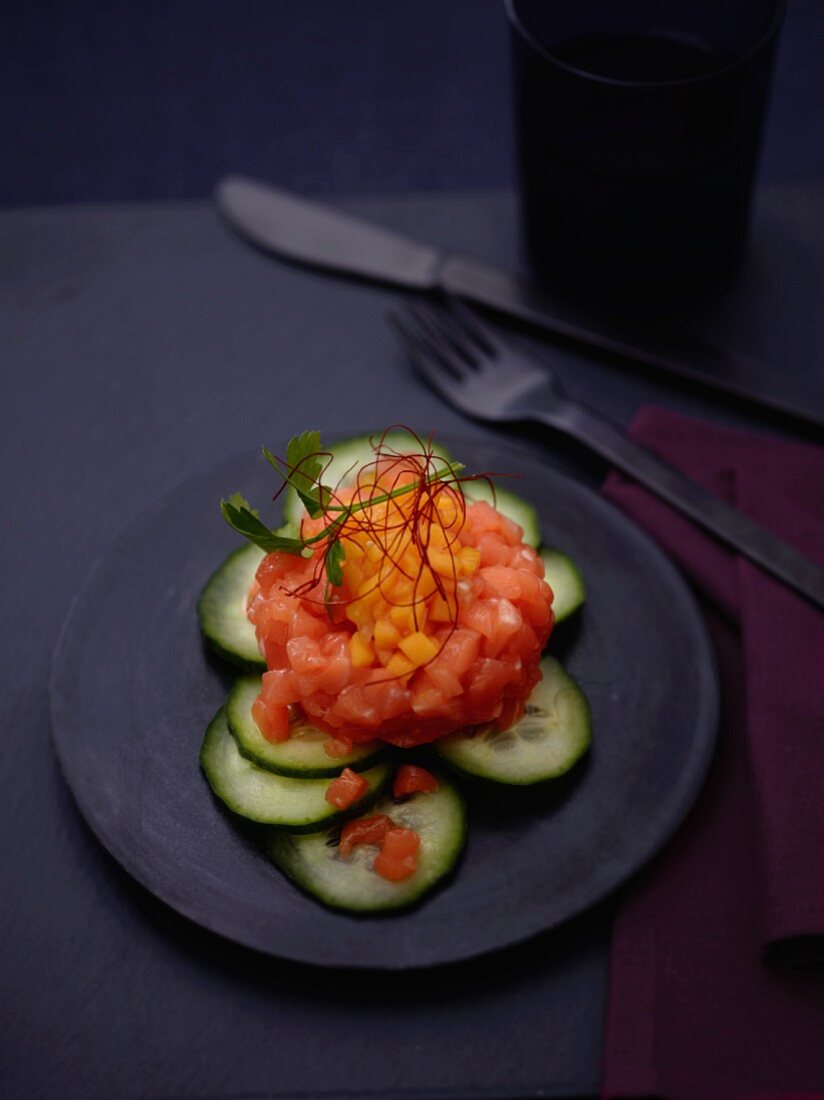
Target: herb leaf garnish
[[239, 514], [334, 562], [302, 471]]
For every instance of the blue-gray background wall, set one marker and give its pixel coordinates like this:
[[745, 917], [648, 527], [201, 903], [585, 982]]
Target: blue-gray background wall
[[141, 99]]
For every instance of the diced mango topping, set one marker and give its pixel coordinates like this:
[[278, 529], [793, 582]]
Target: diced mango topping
[[400, 573]]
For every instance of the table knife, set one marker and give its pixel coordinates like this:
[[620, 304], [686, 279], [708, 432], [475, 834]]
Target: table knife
[[310, 233]]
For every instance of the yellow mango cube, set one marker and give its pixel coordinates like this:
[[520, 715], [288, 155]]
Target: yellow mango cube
[[374, 552], [408, 618], [399, 665], [469, 559], [425, 585], [443, 611], [443, 562], [380, 609], [447, 506], [358, 613], [401, 617], [403, 591], [369, 593], [387, 634], [354, 550], [419, 648], [361, 652], [352, 574]]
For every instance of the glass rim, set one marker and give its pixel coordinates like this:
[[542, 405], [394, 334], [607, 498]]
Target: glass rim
[[773, 25]]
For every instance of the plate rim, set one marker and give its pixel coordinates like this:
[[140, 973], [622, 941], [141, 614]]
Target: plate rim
[[706, 719]]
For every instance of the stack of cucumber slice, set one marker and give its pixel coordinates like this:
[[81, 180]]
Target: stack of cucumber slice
[[303, 755], [269, 797], [552, 736], [221, 609], [283, 786], [313, 862]]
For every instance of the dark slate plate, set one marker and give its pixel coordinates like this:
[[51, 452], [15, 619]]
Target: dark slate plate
[[132, 690]]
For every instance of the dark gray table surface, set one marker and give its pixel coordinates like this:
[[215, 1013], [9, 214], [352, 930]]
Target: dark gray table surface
[[139, 345]]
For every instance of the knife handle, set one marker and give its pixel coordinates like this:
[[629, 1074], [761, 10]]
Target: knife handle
[[726, 523]]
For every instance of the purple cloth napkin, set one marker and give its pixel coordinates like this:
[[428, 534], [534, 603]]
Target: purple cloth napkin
[[702, 1001]]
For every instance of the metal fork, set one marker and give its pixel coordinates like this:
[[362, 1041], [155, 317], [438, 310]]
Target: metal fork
[[484, 378]]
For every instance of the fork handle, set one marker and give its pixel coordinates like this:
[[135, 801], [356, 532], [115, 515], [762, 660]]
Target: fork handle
[[727, 524]]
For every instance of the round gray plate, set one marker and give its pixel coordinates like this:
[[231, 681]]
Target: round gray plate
[[132, 690]]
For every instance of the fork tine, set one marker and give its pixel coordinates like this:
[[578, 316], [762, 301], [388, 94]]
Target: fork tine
[[448, 336], [422, 325], [420, 359], [468, 321]]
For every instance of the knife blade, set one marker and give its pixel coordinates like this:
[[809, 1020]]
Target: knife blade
[[314, 235], [309, 233]]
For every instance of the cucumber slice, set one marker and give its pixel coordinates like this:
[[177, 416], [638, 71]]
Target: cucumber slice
[[259, 795], [303, 755], [314, 864], [350, 454], [565, 580], [221, 609], [553, 734], [509, 505]]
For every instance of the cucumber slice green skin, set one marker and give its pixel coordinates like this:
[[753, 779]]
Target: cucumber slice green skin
[[303, 755], [221, 609], [565, 580], [349, 454], [552, 736], [508, 504], [313, 864], [296, 804]]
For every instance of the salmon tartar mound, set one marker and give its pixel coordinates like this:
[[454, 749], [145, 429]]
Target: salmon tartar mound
[[438, 622]]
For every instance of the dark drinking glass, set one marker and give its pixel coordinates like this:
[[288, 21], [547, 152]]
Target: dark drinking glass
[[638, 131]]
